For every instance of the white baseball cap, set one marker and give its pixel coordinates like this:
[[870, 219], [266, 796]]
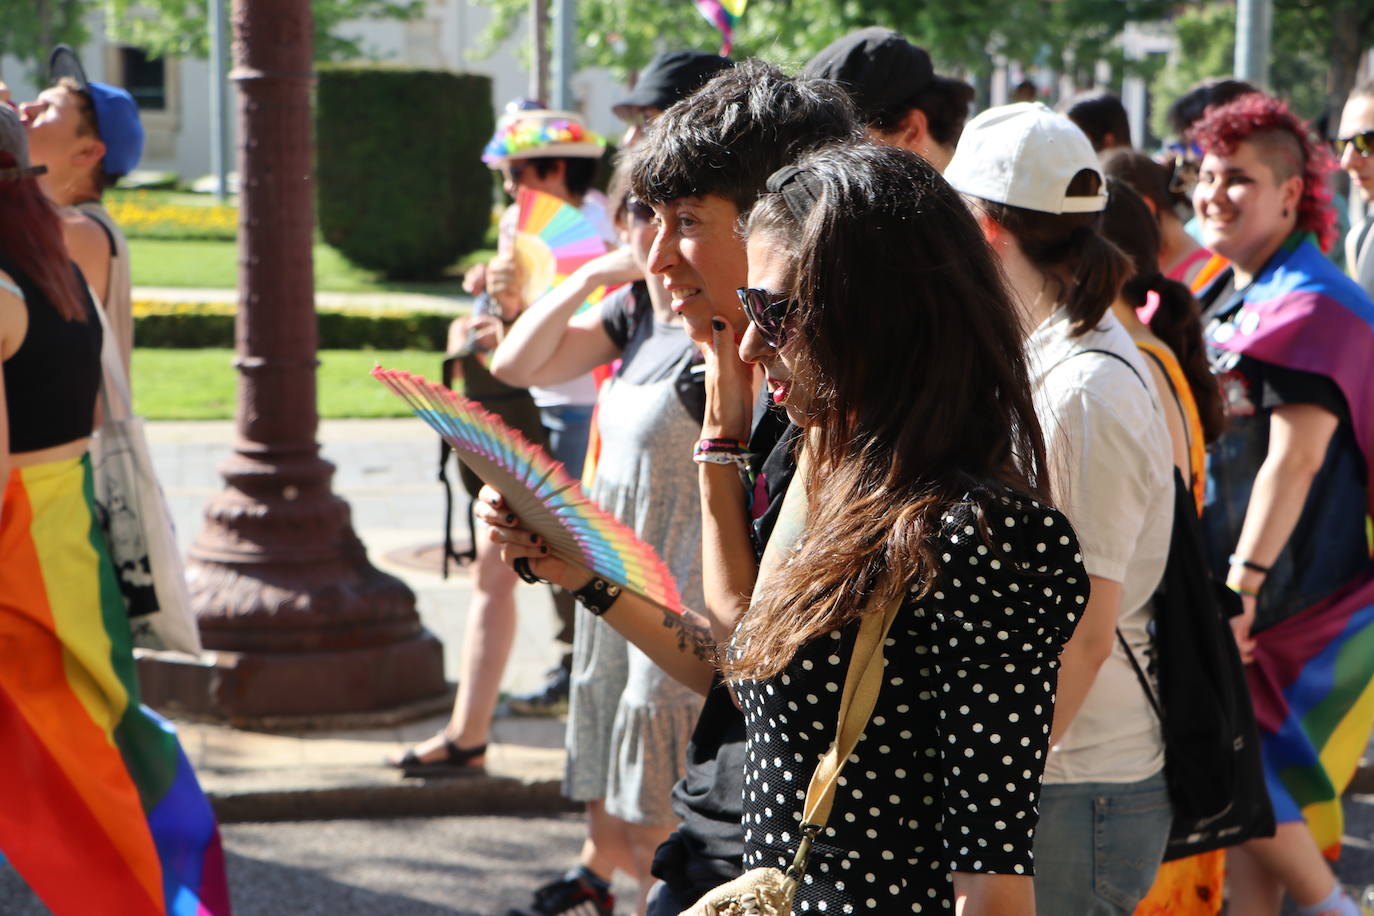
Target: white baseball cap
[[1024, 155]]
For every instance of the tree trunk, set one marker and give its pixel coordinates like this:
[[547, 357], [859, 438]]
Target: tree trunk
[[1348, 40]]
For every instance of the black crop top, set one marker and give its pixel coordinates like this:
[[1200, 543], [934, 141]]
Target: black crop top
[[53, 379]]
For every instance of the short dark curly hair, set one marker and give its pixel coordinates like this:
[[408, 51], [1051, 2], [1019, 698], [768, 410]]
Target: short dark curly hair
[[1287, 146], [732, 133]]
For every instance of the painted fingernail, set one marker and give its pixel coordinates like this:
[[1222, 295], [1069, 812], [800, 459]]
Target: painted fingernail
[[510, 517], [717, 324], [534, 539], [543, 550]]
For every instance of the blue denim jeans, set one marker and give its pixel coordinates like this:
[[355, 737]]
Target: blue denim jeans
[[1099, 845], [568, 426], [663, 902]]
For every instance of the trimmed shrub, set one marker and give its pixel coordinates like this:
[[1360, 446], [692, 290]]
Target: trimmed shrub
[[192, 325], [401, 185]]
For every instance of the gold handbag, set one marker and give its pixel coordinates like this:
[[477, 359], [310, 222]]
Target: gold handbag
[[769, 891]]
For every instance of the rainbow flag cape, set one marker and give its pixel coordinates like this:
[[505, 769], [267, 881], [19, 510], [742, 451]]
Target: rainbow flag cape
[[723, 14], [1312, 680], [1303, 313], [100, 811]]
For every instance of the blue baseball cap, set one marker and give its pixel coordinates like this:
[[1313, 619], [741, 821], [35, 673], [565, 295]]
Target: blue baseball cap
[[116, 113]]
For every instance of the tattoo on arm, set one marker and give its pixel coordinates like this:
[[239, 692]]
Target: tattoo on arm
[[693, 634]]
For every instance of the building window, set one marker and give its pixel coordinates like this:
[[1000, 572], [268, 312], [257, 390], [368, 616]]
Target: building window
[[145, 78]]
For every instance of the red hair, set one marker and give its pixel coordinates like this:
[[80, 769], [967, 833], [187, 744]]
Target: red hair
[[31, 237], [1225, 127]]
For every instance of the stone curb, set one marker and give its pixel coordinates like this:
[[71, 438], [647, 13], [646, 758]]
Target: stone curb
[[364, 799]]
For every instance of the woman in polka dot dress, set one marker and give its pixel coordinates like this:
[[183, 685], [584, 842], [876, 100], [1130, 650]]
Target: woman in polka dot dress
[[884, 329]]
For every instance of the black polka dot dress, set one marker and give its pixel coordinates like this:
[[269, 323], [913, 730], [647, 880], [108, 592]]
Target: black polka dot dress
[[946, 777]]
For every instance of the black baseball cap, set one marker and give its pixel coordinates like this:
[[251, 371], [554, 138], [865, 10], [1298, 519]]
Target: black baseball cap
[[670, 76], [878, 67]]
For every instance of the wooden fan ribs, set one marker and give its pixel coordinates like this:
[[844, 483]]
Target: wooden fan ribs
[[538, 489]]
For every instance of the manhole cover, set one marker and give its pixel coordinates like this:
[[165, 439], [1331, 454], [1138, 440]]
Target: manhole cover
[[428, 558]]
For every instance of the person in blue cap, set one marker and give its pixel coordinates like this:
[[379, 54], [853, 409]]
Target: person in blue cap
[[89, 135]]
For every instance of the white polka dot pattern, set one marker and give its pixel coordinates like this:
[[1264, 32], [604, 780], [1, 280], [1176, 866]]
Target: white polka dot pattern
[[947, 775]]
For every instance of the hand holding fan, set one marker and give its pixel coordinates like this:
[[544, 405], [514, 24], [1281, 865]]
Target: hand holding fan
[[548, 501], [552, 239]]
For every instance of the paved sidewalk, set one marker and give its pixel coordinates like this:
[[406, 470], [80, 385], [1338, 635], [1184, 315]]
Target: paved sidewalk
[[386, 471], [418, 302]]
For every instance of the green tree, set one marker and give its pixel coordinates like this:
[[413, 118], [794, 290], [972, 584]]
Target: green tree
[[622, 37], [30, 28], [178, 27], [1310, 61]]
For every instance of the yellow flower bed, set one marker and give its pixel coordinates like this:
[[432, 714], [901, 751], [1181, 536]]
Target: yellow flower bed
[[142, 215], [143, 307]]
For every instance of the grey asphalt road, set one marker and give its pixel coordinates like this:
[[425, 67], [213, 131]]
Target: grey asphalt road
[[468, 866], [443, 866]]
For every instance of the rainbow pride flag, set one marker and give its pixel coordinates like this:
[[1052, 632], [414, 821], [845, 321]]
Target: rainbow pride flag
[[1312, 680], [1312, 684], [1303, 313], [100, 811], [723, 14]]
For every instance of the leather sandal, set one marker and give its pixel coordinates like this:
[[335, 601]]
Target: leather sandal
[[457, 761]]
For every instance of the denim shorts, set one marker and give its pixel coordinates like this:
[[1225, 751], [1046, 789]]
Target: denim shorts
[[568, 426], [1099, 845]]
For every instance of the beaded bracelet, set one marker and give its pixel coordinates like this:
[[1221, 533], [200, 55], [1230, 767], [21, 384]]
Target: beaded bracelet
[[1242, 590], [598, 595], [721, 451], [740, 459], [1248, 564]]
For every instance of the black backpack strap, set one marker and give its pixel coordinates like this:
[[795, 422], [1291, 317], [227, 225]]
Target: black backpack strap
[[1135, 665], [1140, 676], [466, 556]]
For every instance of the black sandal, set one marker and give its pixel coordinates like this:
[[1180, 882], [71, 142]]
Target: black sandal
[[456, 762]]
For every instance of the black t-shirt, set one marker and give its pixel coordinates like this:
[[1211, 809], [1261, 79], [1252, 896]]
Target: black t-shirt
[[652, 350], [708, 847], [1327, 546]]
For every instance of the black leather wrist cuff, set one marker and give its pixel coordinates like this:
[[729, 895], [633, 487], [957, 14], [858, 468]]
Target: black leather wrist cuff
[[598, 595]]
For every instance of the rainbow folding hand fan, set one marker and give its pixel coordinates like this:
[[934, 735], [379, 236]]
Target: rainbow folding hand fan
[[552, 239], [548, 501]]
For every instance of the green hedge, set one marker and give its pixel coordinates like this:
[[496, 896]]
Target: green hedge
[[184, 326], [401, 185]]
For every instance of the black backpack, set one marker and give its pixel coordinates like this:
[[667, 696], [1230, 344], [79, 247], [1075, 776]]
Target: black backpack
[[1211, 744]]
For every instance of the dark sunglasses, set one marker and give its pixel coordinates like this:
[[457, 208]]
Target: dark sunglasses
[[638, 211], [1185, 150], [768, 311], [1363, 143]]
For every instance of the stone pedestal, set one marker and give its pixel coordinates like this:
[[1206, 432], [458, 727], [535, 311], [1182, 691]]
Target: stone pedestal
[[295, 620]]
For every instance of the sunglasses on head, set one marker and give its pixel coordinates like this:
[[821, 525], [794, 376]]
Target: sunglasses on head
[[1363, 143], [768, 311]]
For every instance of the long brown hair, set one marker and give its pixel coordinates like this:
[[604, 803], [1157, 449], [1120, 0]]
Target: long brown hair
[[31, 238], [903, 318]]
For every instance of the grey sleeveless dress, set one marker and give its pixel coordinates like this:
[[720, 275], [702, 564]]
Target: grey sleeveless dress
[[629, 722]]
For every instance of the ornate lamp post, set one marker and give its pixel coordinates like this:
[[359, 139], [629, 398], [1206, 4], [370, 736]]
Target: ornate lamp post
[[295, 620]]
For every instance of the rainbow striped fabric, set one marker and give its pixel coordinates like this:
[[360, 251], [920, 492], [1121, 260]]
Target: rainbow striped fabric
[[1312, 681], [1302, 313], [723, 14], [101, 812]]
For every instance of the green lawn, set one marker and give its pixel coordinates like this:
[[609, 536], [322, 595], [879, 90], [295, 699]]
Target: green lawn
[[214, 265], [344, 385]]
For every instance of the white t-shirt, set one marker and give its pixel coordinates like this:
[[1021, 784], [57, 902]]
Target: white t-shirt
[[1111, 465]]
